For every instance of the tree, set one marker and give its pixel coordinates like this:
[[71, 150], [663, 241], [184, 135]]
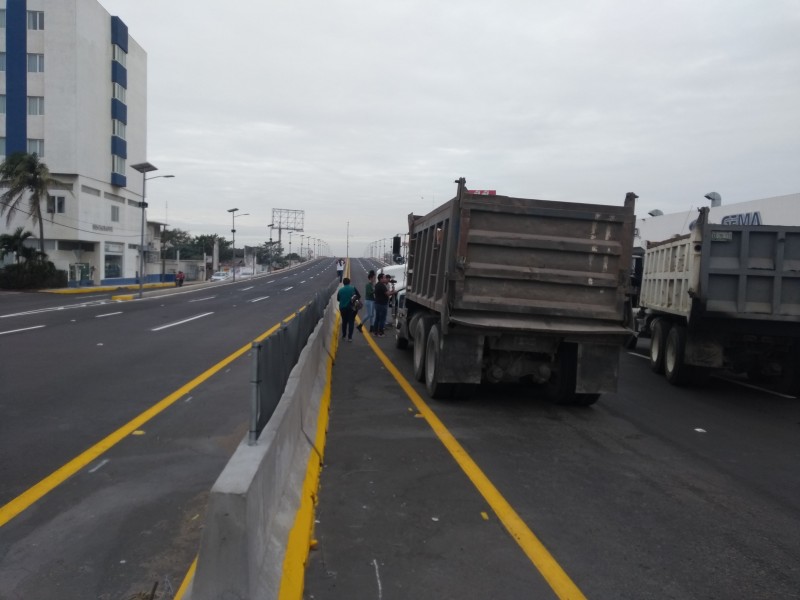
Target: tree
[[14, 243], [24, 175]]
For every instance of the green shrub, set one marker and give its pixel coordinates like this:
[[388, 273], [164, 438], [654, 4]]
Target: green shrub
[[32, 275]]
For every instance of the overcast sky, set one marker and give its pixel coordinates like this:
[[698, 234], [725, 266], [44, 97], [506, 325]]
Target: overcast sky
[[365, 111]]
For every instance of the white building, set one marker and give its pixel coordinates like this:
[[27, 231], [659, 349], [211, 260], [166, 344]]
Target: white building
[[74, 90], [778, 210]]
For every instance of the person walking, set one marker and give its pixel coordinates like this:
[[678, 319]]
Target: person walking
[[369, 302], [340, 269], [382, 295], [345, 298]]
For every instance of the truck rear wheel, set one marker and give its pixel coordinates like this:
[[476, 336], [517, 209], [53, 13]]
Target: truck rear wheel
[[421, 329], [658, 341], [433, 350], [676, 371]]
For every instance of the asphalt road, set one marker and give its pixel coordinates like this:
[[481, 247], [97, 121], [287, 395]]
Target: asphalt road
[[76, 369], [655, 492]]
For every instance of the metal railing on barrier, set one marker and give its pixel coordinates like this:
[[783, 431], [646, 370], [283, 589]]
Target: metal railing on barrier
[[276, 356]]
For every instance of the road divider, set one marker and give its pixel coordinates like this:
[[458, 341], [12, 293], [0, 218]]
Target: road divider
[[260, 511]]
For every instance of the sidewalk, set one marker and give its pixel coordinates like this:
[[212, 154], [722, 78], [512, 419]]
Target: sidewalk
[[397, 518]]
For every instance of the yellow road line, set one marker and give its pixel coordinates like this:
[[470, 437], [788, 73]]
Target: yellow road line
[[298, 544], [186, 580], [552, 572], [59, 476]]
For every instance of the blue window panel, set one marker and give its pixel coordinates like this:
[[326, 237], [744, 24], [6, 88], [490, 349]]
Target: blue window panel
[[119, 180], [119, 146], [119, 74], [119, 111], [119, 33], [16, 76]]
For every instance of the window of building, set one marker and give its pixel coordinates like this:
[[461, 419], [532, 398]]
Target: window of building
[[119, 55], [2, 61], [2, 18], [115, 214], [35, 105], [55, 204], [35, 19], [35, 63], [119, 128], [119, 93], [36, 147], [117, 164], [2, 104], [2, 146]]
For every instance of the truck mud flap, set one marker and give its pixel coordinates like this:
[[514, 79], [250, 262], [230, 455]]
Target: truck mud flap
[[461, 359], [598, 368]]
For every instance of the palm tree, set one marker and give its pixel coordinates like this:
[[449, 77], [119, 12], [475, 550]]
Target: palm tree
[[24, 174], [14, 243]]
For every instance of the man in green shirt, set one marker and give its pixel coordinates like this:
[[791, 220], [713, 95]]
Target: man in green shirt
[[345, 297]]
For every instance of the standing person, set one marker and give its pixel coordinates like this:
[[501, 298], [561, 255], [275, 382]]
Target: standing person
[[345, 298], [369, 300], [382, 294], [340, 269]]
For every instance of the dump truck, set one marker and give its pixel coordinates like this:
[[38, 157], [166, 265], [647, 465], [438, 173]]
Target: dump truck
[[502, 289], [723, 297]]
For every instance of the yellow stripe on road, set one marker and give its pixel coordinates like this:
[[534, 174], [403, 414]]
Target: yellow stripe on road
[[544, 562], [52, 481]]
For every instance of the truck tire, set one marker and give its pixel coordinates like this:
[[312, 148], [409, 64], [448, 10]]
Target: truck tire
[[560, 389], [676, 371], [421, 329], [658, 342], [433, 350]]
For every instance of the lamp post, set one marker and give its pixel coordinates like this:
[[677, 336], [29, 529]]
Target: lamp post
[[144, 168], [233, 232]]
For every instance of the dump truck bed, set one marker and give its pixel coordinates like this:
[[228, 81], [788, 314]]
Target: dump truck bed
[[523, 264], [726, 272]]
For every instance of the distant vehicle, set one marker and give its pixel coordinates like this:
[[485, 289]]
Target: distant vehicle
[[220, 276]]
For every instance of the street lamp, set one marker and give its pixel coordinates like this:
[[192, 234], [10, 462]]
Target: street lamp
[[233, 232], [143, 168]]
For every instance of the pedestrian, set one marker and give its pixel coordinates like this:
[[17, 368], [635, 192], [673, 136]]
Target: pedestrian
[[340, 269], [345, 298], [369, 302], [382, 295]]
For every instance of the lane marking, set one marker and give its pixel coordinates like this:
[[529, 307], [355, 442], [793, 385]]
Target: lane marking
[[288, 288], [18, 330], [247, 288], [258, 299], [533, 548], [303, 281], [108, 315], [186, 580], [60, 475], [182, 322], [202, 299], [99, 466]]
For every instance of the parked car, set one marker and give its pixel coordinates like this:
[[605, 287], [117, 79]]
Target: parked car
[[220, 276]]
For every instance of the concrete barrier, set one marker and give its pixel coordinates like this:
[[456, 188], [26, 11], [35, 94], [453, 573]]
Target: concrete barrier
[[254, 502]]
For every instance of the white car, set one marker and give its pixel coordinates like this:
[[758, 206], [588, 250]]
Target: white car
[[220, 276]]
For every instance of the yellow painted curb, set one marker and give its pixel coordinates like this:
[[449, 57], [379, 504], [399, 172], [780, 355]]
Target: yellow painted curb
[[124, 297]]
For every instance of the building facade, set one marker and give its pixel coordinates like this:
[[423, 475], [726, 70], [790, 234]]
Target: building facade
[[73, 89]]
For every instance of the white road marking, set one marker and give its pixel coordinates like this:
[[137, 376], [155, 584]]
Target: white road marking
[[108, 315], [303, 281], [288, 288], [248, 288], [99, 466], [201, 299], [259, 299], [18, 330], [182, 322], [637, 355], [378, 578]]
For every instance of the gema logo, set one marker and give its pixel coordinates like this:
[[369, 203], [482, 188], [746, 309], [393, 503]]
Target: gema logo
[[751, 218]]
